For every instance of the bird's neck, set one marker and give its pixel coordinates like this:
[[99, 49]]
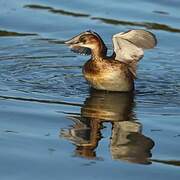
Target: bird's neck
[[99, 52]]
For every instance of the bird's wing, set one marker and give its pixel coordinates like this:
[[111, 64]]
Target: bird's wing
[[129, 46], [125, 50], [140, 38]]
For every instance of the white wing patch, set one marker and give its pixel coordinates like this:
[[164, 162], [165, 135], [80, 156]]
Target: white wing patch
[[129, 46], [140, 38], [125, 50]]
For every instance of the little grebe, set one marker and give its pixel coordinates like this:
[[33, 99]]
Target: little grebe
[[117, 72]]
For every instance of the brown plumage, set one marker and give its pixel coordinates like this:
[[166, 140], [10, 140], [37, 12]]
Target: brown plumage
[[115, 73]]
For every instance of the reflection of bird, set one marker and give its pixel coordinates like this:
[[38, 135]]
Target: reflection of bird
[[115, 73], [127, 142]]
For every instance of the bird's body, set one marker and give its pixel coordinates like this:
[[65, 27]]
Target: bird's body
[[107, 74], [115, 73]]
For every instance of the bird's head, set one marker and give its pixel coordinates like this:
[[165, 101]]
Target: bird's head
[[86, 42]]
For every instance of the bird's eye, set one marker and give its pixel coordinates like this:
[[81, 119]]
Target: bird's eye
[[83, 40]]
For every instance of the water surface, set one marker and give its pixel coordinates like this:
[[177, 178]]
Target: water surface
[[53, 126]]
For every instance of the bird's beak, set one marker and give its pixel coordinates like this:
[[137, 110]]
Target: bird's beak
[[73, 41]]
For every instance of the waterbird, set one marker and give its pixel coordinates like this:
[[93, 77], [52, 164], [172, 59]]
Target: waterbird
[[118, 71]]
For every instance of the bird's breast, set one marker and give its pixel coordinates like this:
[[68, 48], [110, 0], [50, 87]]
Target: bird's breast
[[108, 76]]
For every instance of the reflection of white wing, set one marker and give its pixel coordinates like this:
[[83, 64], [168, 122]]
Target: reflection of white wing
[[128, 46]]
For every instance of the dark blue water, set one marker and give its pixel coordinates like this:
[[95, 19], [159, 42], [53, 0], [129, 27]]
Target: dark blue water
[[52, 126]]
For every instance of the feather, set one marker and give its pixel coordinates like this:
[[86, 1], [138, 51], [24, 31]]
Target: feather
[[129, 46], [140, 38], [126, 51]]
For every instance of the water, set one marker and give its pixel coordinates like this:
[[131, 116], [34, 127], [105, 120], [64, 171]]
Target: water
[[53, 126]]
